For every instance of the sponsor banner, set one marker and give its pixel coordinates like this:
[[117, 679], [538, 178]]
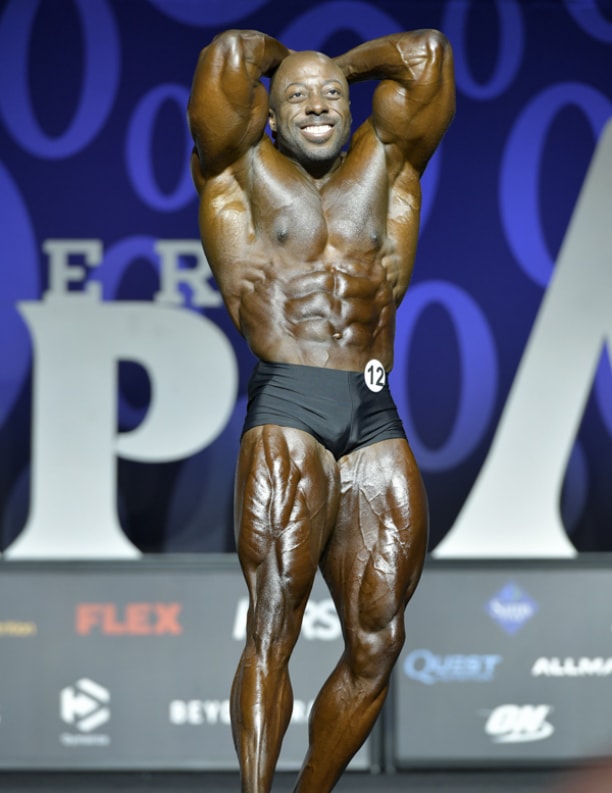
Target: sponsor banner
[[505, 662], [130, 665]]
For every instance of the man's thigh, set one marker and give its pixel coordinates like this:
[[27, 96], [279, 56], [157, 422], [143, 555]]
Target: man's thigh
[[375, 556], [286, 502]]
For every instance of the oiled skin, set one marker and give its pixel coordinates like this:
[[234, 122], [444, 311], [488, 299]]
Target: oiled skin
[[313, 250]]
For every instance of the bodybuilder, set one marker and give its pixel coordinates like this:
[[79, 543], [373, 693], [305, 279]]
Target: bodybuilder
[[312, 248]]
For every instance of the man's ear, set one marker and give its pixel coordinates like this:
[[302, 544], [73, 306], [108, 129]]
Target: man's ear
[[272, 119]]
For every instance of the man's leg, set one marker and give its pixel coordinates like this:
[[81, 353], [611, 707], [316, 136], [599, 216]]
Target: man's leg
[[286, 502], [372, 566]]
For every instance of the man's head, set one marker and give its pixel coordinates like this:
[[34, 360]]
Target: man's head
[[310, 115]]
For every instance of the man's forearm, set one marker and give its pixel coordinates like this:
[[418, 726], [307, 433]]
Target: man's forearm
[[403, 57]]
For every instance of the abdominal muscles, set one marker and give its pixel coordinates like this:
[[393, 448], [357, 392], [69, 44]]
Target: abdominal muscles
[[338, 317]]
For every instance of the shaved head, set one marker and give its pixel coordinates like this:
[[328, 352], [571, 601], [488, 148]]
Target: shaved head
[[305, 62]]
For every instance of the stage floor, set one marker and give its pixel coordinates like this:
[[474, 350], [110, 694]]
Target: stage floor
[[535, 781]]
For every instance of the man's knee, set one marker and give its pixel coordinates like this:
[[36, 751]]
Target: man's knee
[[372, 654], [274, 624]]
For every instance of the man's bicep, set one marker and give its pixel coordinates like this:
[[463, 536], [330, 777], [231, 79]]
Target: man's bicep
[[226, 113], [221, 140]]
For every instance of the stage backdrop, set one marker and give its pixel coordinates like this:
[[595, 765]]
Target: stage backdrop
[[122, 381]]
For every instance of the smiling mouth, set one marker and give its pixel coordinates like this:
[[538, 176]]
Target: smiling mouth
[[317, 131]]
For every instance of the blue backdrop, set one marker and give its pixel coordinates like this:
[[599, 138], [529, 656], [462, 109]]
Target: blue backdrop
[[94, 145]]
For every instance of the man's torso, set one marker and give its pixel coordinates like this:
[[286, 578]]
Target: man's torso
[[312, 273]]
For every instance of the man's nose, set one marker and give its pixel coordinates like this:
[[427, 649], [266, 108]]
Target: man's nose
[[316, 104]]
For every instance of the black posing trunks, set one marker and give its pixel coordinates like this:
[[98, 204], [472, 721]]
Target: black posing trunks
[[334, 406]]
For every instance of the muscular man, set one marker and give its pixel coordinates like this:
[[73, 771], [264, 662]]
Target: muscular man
[[312, 248]]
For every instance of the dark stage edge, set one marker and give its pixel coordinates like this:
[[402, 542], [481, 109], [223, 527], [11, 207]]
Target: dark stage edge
[[352, 782]]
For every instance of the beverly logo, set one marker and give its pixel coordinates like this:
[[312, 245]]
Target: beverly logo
[[511, 608], [133, 619], [195, 712]]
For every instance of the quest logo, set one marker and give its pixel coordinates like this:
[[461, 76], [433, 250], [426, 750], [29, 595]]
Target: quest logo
[[428, 668]]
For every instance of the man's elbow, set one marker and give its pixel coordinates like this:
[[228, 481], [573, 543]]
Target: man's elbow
[[437, 49], [233, 46], [426, 55], [438, 65]]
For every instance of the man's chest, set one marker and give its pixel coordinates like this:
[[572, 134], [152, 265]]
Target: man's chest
[[342, 217]]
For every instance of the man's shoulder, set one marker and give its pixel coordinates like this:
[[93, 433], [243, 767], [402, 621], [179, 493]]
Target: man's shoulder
[[367, 151], [234, 171], [404, 163]]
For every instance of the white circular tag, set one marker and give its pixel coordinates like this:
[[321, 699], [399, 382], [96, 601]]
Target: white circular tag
[[374, 375]]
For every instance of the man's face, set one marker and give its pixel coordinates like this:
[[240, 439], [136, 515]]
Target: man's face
[[310, 109]]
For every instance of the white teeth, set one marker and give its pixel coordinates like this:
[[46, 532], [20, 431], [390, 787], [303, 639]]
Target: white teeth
[[318, 129]]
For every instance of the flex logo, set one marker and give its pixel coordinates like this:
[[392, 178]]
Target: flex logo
[[85, 705], [132, 619], [519, 723]]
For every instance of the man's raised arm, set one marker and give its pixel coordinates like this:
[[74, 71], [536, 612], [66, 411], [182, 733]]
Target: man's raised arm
[[415, 102], [228, 105]]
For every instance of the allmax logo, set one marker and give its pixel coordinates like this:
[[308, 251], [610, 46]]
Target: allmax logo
[[572, 667]]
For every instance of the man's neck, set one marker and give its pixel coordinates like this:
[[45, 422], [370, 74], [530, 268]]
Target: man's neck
[[322, 171]]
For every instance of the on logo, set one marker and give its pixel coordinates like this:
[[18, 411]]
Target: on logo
[[85, 705], [519, 723]]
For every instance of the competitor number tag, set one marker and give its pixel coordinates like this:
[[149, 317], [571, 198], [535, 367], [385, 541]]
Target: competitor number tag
[[374, 375]]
